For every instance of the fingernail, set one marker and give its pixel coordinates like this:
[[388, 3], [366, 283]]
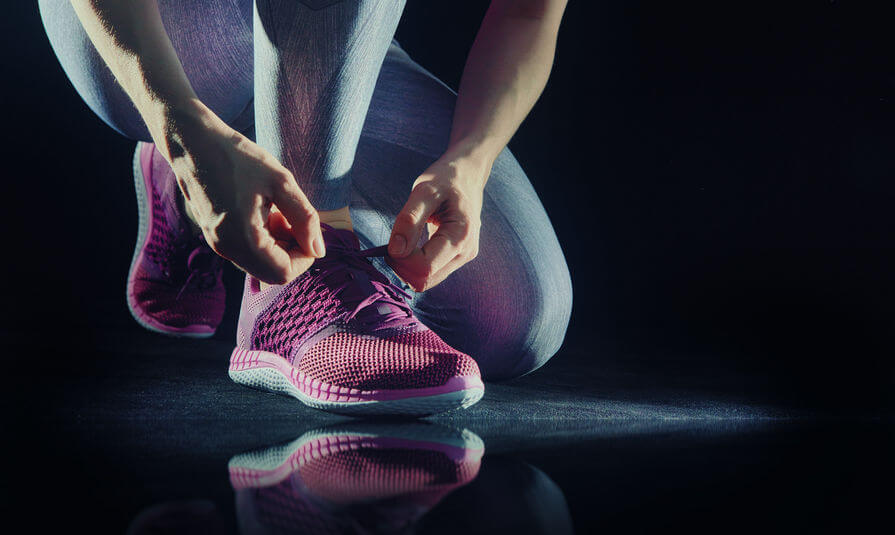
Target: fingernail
[[396, 247], [319, 248]]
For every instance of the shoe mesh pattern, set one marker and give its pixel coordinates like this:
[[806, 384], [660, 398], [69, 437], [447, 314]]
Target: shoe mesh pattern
[[368, 488], [409, 360], [304, 307], [160, 244], [163, 293], [376, 474], [195, 306]]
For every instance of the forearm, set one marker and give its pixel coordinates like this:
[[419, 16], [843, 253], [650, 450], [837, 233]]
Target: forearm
[[506, 71], [131, 39]]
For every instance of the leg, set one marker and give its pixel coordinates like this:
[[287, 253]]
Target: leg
[[508, 308], [317, 63], [174, 282], [213, 39]]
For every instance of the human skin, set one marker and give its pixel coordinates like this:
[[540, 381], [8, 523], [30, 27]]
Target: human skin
[[250, 208], [505, 73]]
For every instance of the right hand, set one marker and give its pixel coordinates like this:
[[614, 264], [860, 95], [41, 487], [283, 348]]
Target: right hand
[[247, 204]]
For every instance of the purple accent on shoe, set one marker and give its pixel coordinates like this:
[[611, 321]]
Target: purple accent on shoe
[[341, 328], [355, 478], [175, 281], [241, 359], [341, 287]]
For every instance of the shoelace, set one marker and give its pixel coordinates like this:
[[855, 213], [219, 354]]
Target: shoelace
[[351, 263], [202, 265]]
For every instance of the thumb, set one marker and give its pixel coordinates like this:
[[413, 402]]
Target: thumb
[[410, 221]]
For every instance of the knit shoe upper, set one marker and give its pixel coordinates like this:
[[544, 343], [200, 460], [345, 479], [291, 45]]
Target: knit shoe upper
[[175, 282], [344, 325], [353, 478]]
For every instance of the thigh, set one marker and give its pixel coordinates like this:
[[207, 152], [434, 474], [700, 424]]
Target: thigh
[[213, 39], [508, 308], [317, 63]]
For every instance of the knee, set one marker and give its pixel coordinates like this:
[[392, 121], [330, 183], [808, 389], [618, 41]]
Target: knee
[[87, 72], [102, 93], [539, 330]]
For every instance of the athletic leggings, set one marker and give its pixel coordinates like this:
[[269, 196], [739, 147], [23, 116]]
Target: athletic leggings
[[326, 89]]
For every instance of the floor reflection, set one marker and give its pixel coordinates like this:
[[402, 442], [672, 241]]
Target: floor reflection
[[357, 478], [392, 478], [374, 477]]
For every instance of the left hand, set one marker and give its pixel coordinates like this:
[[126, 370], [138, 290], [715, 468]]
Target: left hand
[[448, 198]]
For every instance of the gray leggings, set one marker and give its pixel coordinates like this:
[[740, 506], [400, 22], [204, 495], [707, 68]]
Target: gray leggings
[[329, 92]]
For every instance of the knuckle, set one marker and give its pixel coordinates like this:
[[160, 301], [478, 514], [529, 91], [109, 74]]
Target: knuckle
[[408, 218], [461, 229], [456, 191], [428, 189], [282, 181], [285, 177], [311, 217]]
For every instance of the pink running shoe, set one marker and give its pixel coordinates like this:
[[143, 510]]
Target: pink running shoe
[[174, 285], [355, 478], [341, 338]]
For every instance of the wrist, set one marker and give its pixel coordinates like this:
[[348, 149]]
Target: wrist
[[473, 161], [481, 151], [183, 124]]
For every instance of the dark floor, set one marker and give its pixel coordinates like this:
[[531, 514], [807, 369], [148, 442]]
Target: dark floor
[[139, 434], [720, 179]]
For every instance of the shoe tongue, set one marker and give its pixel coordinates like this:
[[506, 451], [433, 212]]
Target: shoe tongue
[[363, 287], [339, 238]]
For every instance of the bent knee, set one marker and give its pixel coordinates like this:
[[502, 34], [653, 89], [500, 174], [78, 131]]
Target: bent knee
[[537, 338]]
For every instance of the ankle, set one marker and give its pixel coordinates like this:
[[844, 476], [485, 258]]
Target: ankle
[[339, 219]]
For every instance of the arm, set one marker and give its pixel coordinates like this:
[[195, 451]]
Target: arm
[[228, 182], [506, 71], [131, 39]]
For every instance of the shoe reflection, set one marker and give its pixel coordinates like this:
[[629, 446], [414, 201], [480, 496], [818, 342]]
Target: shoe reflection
[[353, 478]]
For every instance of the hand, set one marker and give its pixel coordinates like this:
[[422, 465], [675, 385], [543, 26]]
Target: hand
[[448, 198], [247, 204]]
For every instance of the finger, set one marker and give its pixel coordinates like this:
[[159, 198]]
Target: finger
[[281, 232], [300, 214], [415, 270], [280, 229], [411, 219], [275, 261], [251, 248], [445, 244], [267, 263], [409, 269]]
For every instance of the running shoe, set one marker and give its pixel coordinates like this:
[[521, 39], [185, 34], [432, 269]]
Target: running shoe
[[342, 338], [355, 478], [175, 284]]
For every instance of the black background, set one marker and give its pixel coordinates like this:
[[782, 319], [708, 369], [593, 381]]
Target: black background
[[719, 175]]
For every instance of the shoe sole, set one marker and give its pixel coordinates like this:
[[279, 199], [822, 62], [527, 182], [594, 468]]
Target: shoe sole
[[144, 223], [269, 466], [268, 371]]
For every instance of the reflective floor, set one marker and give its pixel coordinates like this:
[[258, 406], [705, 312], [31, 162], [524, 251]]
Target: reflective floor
[[152, 437]]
